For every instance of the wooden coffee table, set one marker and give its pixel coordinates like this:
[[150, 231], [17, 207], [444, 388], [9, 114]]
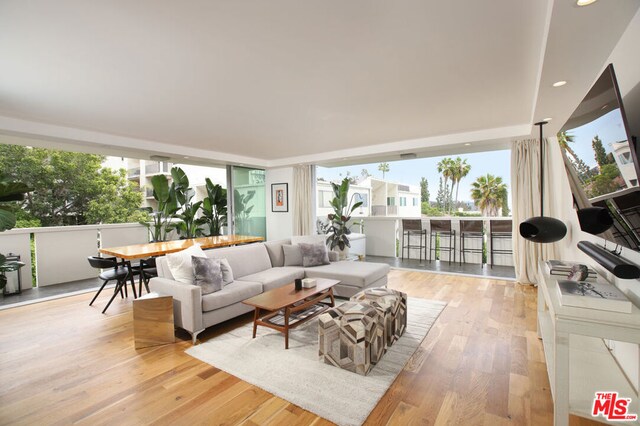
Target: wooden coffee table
[[285, 308]]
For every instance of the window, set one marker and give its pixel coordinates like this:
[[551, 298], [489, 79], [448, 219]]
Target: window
[[415, 202], [625, 158], [324, 200], [361, 196], [403, 201], [391, 201]]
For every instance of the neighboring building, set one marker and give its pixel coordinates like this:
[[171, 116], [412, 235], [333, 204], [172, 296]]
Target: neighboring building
[[624, 160], [393, 199], [379, 198], [357, 193], [141, 171]]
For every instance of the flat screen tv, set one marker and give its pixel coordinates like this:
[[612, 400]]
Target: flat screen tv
[[601, 160]]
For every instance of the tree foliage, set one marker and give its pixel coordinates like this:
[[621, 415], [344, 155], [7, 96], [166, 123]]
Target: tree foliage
[[69, 188], [599, 152], [117, 200], [384, 168], [489, 194], [424, 190]]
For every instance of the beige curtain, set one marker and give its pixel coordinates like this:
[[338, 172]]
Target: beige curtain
[[525, 186], [302, 200]]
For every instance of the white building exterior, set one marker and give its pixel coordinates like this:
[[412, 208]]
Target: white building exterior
[[379, 197], [624, 160], [141, 171]]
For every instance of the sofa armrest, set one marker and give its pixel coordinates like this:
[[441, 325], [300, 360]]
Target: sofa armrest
[[187, 302]]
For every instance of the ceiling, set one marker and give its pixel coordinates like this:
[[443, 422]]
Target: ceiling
[[288, 81]]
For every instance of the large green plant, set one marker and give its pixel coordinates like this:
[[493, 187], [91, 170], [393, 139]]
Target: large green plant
[[10, 192], [165, 195], [242, 210], [189, 225], [343, 206], [214, 207]]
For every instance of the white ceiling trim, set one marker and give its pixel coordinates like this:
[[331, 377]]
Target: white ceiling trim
[[117, 145], [418, 146]]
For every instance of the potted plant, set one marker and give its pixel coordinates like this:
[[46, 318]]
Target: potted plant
[[9, 192], [189, 225], [167, 206], [339, 226], [214, 207]]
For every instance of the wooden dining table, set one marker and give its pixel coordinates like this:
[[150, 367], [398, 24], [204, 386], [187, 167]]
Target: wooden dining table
[[142, 251]]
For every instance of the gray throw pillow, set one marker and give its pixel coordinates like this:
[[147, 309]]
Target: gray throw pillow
[[292, 255], [227, 273], [314, 254], [207, 274]]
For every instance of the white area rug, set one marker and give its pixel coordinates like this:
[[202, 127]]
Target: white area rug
[[297, 375]]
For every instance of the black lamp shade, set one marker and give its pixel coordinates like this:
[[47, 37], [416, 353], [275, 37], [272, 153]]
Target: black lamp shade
[[595, 220], [541, 229]]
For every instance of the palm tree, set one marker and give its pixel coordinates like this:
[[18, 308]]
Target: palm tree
[[384, 168], [489, 193], [460, 169], [445, 166], [564, 139]]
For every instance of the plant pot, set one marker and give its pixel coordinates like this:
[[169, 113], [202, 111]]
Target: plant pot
[[343, 254]]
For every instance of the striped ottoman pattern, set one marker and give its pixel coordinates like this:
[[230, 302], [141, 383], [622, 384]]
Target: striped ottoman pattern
[[350, 337], [391, 306]]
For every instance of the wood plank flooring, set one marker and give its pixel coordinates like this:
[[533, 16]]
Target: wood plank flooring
[[62, 362]]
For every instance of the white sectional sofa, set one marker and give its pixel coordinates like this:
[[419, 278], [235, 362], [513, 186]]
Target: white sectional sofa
[[256, 268]]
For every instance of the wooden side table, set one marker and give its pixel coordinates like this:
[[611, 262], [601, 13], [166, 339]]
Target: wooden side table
[[153, 320]]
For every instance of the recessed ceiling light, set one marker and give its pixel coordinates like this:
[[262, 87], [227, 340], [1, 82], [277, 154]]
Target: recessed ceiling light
[[585, 2], [547, 119], [559, 83], [186, 156], [467, 144]]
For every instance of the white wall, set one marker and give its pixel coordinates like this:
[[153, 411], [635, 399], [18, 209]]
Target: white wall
[[279, 224], [626, 63]]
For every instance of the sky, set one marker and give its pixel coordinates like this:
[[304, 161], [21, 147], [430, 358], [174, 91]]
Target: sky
[[409, 172], [609, 129]]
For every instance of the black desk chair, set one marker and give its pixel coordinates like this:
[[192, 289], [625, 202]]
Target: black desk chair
[[441, 229], [147, 270], [113, 270], [500, 230], [471, 230], [413, 228]]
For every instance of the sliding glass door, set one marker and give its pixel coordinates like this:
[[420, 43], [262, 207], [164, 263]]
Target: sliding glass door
[[247, 198]]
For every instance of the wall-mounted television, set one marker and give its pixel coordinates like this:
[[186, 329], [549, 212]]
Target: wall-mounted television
[[601, 160]]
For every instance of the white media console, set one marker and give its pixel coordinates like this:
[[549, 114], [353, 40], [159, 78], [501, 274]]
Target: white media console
[[579, 363]]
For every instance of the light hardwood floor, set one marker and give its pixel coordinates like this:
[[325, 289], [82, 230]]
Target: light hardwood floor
[[63, 362]]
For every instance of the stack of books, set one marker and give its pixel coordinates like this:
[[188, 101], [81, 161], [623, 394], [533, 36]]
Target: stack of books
[[563, 268], [593, 295]]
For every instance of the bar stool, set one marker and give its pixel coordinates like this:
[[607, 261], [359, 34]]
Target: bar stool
[[500, 230], [442, 228], [413, 227], [471, 230]]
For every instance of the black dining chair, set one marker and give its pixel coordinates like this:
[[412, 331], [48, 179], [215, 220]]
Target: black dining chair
[[147, 270], [112, 270]]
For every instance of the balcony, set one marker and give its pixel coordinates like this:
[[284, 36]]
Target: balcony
[[384, 242], [133, 173], [158, 167], [58, 255], [382, 210]]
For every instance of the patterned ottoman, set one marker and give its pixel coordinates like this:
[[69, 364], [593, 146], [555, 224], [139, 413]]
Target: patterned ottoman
[[349, 337], [391, 306]]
